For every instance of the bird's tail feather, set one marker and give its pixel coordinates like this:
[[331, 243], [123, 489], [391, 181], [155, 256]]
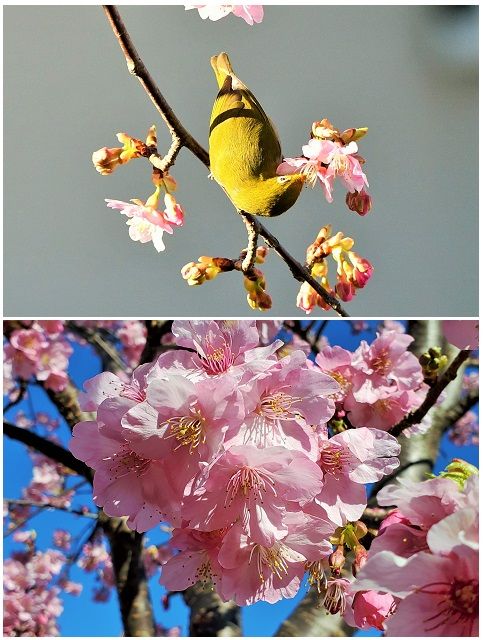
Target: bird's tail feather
[[222, 67]]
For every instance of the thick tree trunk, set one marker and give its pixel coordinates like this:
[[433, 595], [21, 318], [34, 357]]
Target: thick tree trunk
[[209, 615]]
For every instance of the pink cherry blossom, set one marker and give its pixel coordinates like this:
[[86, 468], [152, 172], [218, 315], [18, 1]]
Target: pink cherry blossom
[[197, 559], [336, 362], [183, 419], [145, 223], [464, 334], [221, 346], [348, 461], [254, 485], [272, 572], [250, 13], [387, 361], [284, 406], [439, 593], [132, 335], [372, 608], [62, 539], [126, 482]]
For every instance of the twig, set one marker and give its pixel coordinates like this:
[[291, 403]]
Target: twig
[[432, 396], [458, 410], [48, 448], [251, 254], [137, 68], [49, 505], [19, 398], [106, 351]]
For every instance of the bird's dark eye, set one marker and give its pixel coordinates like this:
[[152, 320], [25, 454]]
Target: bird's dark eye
[[282, 179]]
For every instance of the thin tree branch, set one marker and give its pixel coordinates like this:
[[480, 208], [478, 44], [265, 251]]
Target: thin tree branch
[[137, 68], [109, 355], [49, 505], [251, 255], [182, 138], [48, 448], [458, 410], [432, 396]]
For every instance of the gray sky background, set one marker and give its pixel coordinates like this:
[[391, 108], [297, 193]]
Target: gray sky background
[[409, 73]]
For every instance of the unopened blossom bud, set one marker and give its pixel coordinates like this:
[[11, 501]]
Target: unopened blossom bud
[[315, 251], [351, 135], [196, 273], [363, 270], [257, 297], [360, 529], [360, 559], [432, 361], [261, 254], [324, 130], [174, 211], [106, 160], [360, 202], [307, 297], [344, 289], [151, 138], [337, 560], [133, 148], [163, 179], [320, 269]]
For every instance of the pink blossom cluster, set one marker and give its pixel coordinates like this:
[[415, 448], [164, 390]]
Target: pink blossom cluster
[[130, 333], [331, 154], [31, 601], [251, 13], [465, 431], [379, 383], [40, 419], [39, 351], [421, 575], [228, 441], [96, 559], [48, 486]]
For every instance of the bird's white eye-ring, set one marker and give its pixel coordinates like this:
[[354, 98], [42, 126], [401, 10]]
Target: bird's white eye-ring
[[282, 179]]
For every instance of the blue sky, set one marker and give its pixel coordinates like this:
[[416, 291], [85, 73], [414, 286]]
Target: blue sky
[[81, 616]]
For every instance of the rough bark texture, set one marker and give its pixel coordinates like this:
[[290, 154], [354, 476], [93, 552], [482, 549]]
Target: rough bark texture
[[131, 582], [209, 615], [310, 620]]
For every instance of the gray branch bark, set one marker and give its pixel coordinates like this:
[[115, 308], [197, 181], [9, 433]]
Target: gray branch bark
[[209, 615]]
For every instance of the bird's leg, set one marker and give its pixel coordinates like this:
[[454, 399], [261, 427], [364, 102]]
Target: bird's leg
[[251, 255]]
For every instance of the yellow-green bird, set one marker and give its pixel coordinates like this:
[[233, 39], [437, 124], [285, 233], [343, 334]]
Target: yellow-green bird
[[245, 150]]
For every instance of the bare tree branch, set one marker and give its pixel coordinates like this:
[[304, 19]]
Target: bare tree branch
[[48, 448], [182, 138], [432, 396], [49, 505], [109, 355]]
